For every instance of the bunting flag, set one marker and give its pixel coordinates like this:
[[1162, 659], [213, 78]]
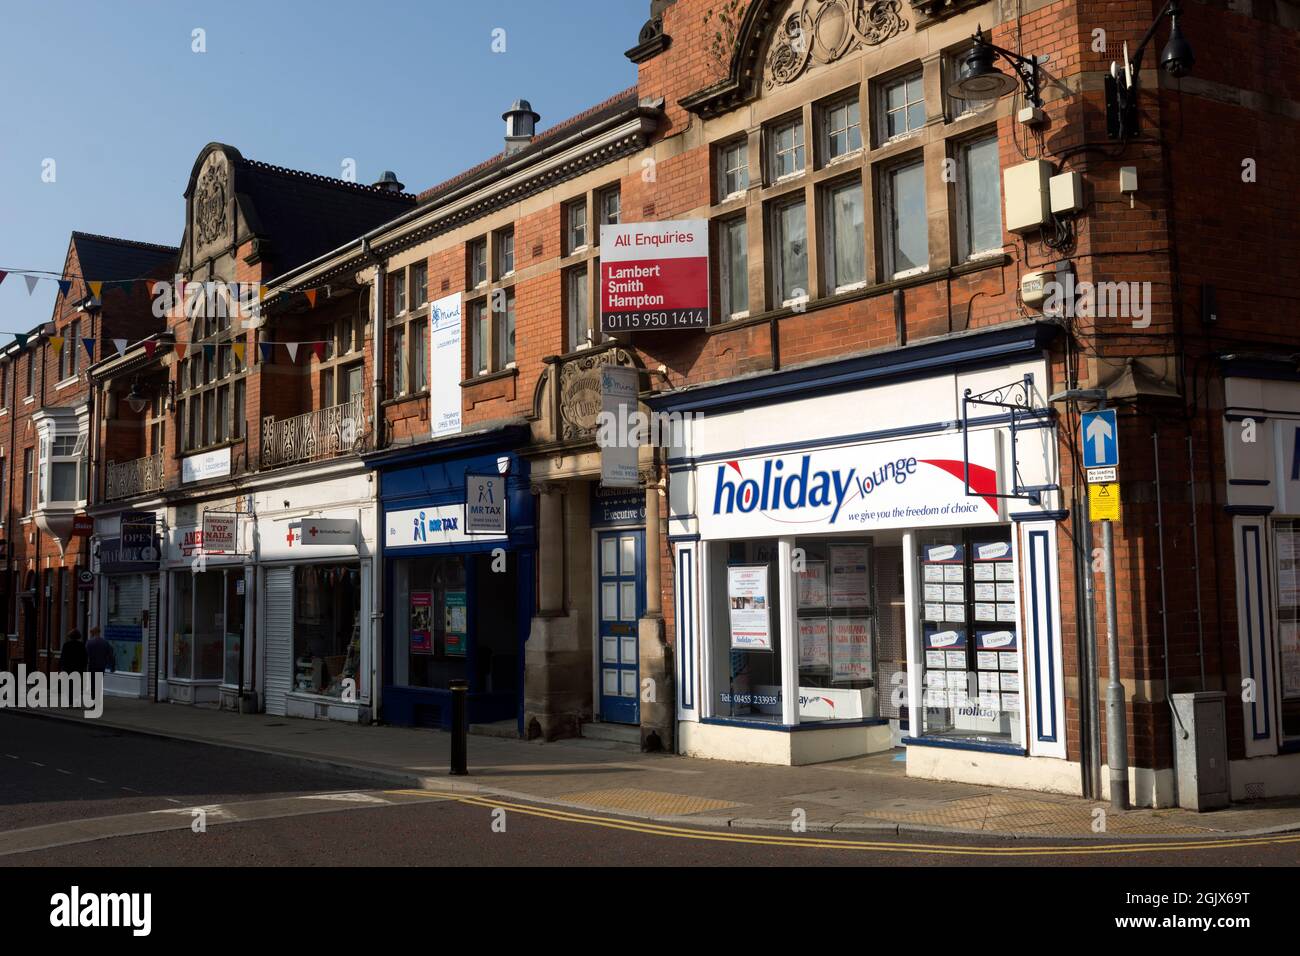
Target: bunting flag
[[238, 349], [95, 288], [209, 351], [22, 339], [64, 285], [293, 351], [31, 283], [120, 345], [149, 347], [57, 342], [267, 350], [319, 349], [3, 274], [149, 284], [261, 293], [311, 297], [181, 349], [90, 347]]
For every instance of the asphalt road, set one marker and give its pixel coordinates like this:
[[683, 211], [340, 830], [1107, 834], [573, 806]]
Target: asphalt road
[[129, 800]]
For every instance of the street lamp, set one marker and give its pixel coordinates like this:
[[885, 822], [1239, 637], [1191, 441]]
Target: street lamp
[[1176, 59], [980, 79]]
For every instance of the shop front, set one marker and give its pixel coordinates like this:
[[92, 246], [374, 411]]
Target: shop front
[[1262, 454], [127, 588], [853, 562], [458, 552], [208, 567], [314, 600]]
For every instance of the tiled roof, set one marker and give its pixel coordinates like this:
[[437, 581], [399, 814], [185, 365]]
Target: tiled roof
[[109, 258]]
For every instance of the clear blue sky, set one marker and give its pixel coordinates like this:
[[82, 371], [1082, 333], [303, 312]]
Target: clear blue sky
[[113, 93]]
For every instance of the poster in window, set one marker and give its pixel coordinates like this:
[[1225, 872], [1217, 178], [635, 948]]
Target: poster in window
[[457, 624], [814, 643], [812, 584], [749, 607], [421, 622], [849, 585], [1289, 643], [850, 649]]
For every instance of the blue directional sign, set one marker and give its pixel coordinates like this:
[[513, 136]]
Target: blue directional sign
[[1100, 439]]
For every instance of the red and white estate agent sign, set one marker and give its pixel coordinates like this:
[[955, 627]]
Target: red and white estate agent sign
[[654, 275]]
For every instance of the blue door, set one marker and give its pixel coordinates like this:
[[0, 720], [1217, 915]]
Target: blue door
[[621, 602]]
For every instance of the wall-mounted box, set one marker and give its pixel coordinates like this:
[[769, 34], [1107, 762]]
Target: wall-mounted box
[[1066, 191], [1026, 193]]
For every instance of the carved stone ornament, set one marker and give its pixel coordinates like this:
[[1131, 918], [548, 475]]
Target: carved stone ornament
[[580, 392], [822, 31], [210, 205]]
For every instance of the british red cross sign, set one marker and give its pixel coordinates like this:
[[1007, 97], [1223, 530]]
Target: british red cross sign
[[322, 531]]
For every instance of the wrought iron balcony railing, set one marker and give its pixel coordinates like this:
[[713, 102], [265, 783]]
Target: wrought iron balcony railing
[[314, 436], [124, 479]]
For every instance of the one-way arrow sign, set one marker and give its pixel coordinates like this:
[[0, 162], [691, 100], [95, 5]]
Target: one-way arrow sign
[[1100, 439]]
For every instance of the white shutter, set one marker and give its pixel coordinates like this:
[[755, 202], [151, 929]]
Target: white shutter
[[279, 638]]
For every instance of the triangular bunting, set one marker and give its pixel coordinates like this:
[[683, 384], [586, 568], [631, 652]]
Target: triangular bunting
[[209, 351], [31, 283], [2, 276], [238, 349], [149, 347], [64, 285], [120, 345], [181, 349], [21, 337], [293, 350], [267, 350], [261, 293], [311, 297], [319, 349], [90, 347], [57, 342], [96, 288]]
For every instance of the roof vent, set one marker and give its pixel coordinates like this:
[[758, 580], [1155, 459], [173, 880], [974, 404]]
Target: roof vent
[[521, 124], [388, 182]]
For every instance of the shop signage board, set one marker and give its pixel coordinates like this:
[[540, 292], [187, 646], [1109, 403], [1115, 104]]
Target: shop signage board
[[82, 525], [220, 533], [485, 504], [616, 507], [618, 401], [1103, 502], [210, 464], [654, 275], [749, 607], [444, 366], [85, 580], [908, 483], [431, 526], [325, 532]]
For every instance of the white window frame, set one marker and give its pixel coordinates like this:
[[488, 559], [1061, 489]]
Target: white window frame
[[775, 153], [883, 110], [737, 147], [51, 431], [824, 114], [886, 219], [476, 246], [573, 243]]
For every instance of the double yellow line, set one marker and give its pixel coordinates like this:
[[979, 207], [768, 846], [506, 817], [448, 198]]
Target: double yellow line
[[820, 843]]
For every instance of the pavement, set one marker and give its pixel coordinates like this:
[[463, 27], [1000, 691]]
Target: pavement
[[859, 794]]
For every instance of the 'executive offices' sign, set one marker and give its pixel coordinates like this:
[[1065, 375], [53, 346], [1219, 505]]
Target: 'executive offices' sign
[[654, 275]]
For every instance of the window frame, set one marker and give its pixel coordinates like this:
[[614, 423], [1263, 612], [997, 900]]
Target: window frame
[[739, 145], [823, 114], [502, 240], [772, 135], [883, 87], [826, 234], [965, 247], [577, 277], [577, 238], [776, 241], [886, 207], [725, 266]]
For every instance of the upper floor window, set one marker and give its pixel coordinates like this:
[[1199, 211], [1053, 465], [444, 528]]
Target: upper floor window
[[399, 360], [31, 373], [503, 328], [903, 219], [979, 197], [844, 236], [609, 202], [477, 256], [786, 151], [575, 226], [841, 130], [397, 291], [576, 307], [4, 385], [789, 251], [902, 106], [478, 332], [62, 468], [733, 168], [733, 248], [69, 358], [29, 484], [505, 252], [420, 355], [419, 284]]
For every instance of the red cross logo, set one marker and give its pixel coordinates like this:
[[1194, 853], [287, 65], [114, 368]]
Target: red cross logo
[[289, 537], [313, 531]]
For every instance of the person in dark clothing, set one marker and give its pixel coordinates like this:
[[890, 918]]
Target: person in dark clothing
[[99, 654], [73, 658]]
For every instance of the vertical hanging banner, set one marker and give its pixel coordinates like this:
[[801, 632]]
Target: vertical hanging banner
[[654, 275], [618, 402], [444, 365]]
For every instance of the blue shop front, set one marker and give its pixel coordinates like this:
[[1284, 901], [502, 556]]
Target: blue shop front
[[458, 552]]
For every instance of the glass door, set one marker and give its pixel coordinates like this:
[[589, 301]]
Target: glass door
[[621, 600]]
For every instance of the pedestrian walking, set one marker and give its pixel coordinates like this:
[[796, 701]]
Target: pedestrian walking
[[99, 653], [72, 660]]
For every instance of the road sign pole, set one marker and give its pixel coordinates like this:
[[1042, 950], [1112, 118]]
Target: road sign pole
[[1116, 730], [1090, 654]]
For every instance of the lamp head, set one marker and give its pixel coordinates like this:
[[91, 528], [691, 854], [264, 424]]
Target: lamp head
[[978, 78]]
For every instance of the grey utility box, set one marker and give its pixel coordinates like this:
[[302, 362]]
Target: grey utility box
[[1202, 758]]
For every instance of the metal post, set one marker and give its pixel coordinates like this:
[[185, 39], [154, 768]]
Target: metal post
[[459, 727], [1089, 695], [1116, 731]]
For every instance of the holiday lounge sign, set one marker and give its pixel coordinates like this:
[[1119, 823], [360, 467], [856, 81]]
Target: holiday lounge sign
[[907, 483]]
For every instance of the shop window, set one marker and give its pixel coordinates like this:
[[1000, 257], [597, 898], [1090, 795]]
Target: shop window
[[979, 197], [835, 611], [205, 634], [970, 638], [906, 232], [733, 246], [125, 621], [1287, 551], [789, 251], [747, 631], [326, 628], [845, 236], [435, 615]]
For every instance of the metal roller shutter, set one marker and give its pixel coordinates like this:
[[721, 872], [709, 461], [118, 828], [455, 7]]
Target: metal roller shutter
[[279, 638], [151, 636]]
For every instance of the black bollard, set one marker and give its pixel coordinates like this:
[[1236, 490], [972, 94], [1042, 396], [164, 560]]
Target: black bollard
[[459, 727]]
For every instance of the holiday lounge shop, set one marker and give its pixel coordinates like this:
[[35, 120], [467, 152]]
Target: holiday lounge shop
[[839, 553], [458, 577]]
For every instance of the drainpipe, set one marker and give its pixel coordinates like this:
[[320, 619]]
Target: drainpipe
[[378, 337], [1176, 725]]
